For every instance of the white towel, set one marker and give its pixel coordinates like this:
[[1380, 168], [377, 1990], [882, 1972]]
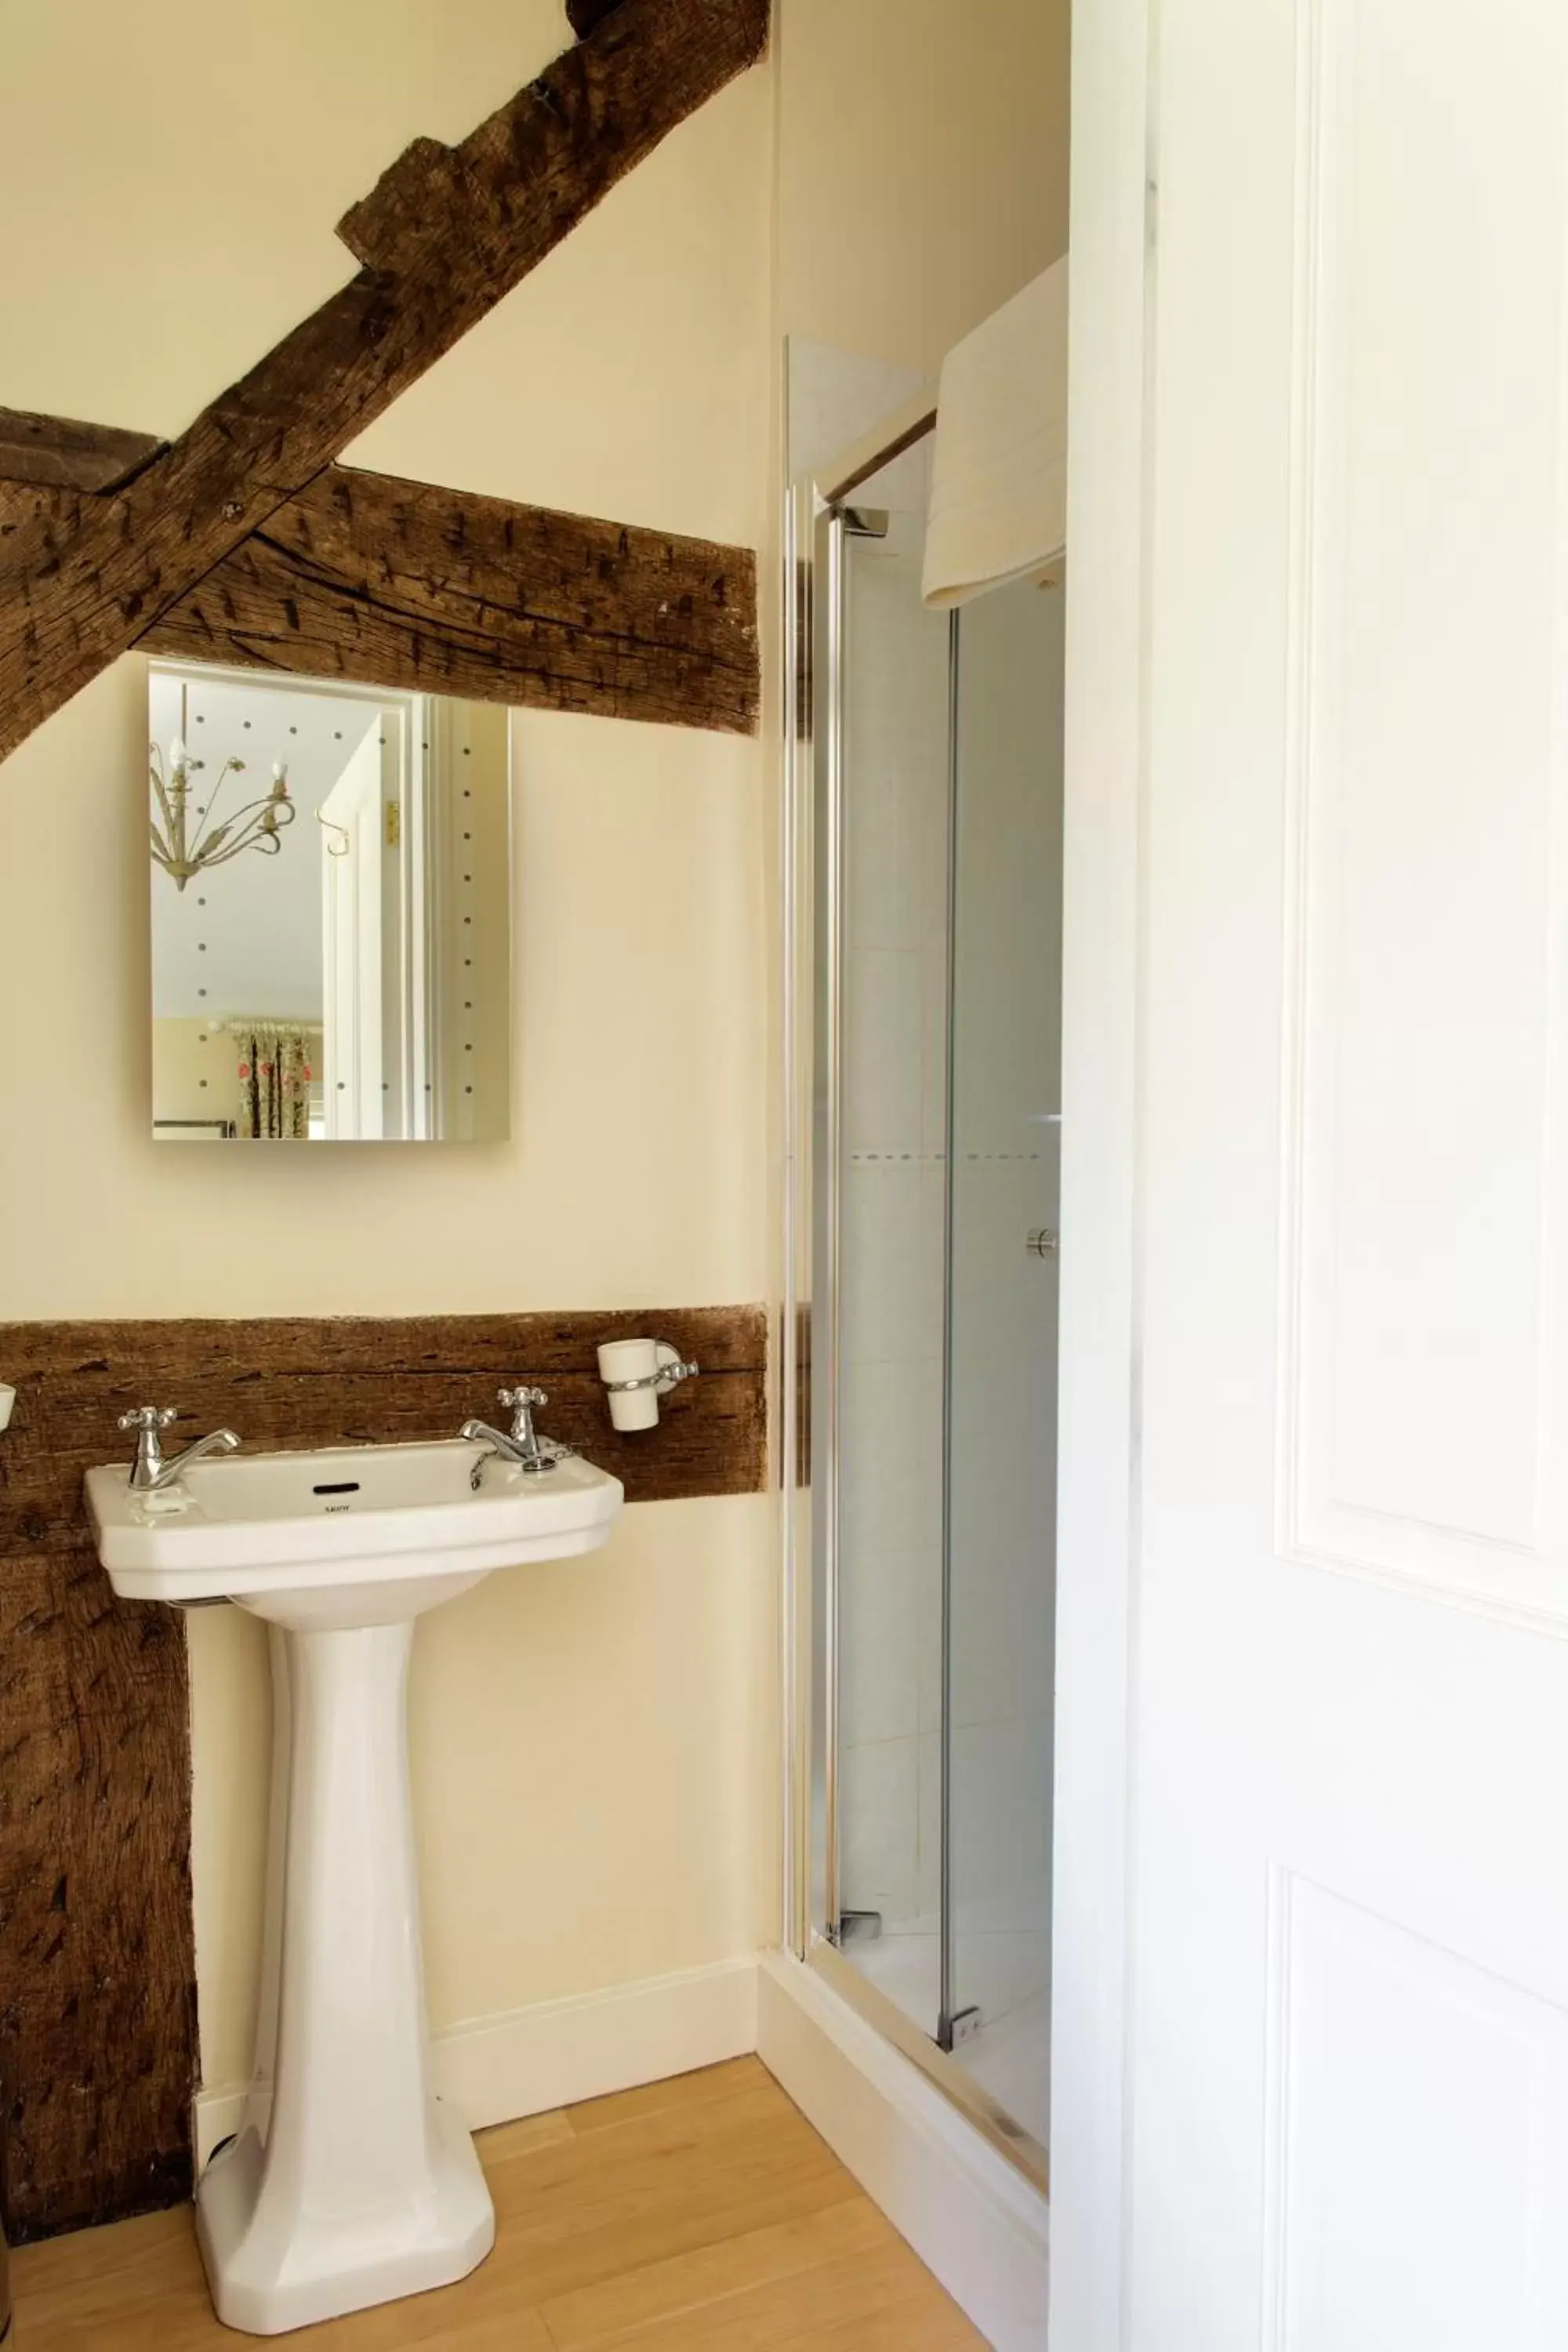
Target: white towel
[[998, 496]]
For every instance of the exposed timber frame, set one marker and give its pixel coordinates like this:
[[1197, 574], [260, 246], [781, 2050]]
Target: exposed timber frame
[[397, 584], [445, 233]]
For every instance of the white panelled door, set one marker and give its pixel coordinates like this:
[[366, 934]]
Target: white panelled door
[[1348, 2058]]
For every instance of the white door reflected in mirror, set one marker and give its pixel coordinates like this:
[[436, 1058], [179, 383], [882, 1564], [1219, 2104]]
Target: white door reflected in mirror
[[331, 946]]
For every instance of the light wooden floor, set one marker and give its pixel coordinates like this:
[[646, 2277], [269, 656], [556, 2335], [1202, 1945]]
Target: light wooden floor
[[703, 2215]]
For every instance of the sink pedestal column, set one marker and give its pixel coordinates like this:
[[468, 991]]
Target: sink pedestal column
[[366, 2188]]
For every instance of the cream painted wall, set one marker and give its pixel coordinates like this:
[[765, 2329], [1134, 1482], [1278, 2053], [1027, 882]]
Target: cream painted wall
[[922, 166], [594, 1751]]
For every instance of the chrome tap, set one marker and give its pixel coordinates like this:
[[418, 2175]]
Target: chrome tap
[[150, 1471], [524, 1446]]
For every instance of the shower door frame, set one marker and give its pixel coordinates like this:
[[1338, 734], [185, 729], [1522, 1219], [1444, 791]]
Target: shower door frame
[[819, 520]]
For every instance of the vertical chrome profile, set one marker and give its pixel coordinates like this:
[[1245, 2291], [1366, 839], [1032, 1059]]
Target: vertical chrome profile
[[947, 2005], [836, 527], [829, 574], [795, 836]]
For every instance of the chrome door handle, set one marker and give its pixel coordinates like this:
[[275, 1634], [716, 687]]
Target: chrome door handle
[[1043, 1243]]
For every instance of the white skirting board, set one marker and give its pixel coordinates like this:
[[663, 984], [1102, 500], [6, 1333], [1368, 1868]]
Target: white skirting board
[[494, 2069], [969, 2214]]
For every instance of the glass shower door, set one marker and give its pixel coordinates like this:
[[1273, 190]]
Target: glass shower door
[[892, 1112], [1002, 1341], [930, 1340]]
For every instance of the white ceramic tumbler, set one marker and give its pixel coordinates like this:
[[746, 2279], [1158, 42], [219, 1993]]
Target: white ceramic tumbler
[[634, 1360]]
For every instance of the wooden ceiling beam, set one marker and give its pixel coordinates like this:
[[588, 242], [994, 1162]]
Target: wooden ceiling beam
[[444, 235], [398, 583], [392, 582]]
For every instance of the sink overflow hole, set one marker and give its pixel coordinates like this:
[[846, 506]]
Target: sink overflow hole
[[343, 1487]]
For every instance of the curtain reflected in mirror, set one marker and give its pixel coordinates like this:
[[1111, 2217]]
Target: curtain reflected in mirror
[[331, 880]]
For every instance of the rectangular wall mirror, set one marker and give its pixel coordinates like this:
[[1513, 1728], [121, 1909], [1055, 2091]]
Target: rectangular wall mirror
[[332, 918]]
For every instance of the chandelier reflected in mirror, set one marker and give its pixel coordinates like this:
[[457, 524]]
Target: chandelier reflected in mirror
[[181, 853]]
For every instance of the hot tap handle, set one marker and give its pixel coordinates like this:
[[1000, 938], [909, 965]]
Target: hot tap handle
[[515, 1397], [149, 1416]]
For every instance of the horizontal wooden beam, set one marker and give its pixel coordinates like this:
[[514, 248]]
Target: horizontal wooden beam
[[295, 1381], [397, 584], [64, 453], [401, 584], [444, 235]]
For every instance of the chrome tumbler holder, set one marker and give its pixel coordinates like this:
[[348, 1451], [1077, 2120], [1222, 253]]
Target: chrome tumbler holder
[[669, 1376]]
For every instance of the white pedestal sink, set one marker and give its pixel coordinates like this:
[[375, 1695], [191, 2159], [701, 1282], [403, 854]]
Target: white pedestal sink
[[360, 2186]]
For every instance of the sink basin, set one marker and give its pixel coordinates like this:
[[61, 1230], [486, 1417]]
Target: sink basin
[[355, 1534], [350, 2183]]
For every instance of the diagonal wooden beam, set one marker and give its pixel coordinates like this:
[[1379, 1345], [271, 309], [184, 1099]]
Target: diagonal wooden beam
[[23, 503], [585, 15], [398, 583], [444, 235]]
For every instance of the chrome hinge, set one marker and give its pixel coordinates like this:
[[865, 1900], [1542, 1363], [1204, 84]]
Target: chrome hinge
[[857, 1927]]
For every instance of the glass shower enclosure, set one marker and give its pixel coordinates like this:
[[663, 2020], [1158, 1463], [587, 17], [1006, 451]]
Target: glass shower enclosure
[[924, 859]]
